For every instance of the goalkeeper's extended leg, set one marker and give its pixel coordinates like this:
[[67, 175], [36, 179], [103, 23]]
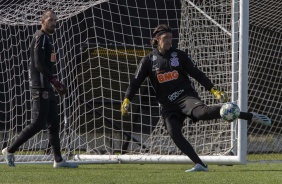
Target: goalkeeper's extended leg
[[173, 125], [204, 112], [255, 117]]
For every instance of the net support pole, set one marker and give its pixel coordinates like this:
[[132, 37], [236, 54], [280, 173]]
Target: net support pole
[[154, 159], [235, 54], [243, 78]]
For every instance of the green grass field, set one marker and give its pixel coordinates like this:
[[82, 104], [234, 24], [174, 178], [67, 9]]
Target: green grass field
[[137, 173]]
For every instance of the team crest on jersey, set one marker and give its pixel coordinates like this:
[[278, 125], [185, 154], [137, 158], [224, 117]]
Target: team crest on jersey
[[45, 94], [173, 54], [174, 61]]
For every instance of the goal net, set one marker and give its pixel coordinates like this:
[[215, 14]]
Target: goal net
[[99, 44]]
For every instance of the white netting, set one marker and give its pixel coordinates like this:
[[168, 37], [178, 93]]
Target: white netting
[[29, 12], [205, 34], [99, 45], [265, 75]]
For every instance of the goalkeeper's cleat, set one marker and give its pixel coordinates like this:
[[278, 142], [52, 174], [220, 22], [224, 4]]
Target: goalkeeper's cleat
[[9, 157], [64, 164], [198, 168], [261, 119]]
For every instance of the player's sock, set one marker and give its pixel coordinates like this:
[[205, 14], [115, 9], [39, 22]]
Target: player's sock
[[246, 116]]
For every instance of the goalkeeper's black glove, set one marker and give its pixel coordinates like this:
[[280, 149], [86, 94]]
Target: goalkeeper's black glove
[[221, 96], [59, 87]]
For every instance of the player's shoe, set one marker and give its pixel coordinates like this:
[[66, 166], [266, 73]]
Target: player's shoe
[[9, 157], [198, 168], [261, 119], [64, 164]]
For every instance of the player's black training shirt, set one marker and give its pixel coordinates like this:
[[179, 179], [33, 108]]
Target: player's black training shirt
[[168, 75], [41, 60]]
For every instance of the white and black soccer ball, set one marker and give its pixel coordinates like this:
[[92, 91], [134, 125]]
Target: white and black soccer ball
[[229, 111]]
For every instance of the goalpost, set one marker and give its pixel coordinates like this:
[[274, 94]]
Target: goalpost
[[99, 44]]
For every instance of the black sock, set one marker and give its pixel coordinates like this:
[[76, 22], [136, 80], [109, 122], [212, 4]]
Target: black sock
[[246, 116]]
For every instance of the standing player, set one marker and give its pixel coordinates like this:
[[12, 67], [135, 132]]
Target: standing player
[[168, 70], [44, 106]]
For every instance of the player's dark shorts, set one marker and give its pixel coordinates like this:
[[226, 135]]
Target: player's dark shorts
[[181, 108], [44, 106]]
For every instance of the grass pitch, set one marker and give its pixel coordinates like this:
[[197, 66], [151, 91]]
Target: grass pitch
[[137, 173]]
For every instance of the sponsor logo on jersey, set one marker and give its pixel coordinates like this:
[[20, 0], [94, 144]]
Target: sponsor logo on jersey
[[168, 76], [53, 57], [175, 94], [35, 94]]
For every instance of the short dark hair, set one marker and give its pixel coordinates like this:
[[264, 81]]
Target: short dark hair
[[160, 29], [44, 14]]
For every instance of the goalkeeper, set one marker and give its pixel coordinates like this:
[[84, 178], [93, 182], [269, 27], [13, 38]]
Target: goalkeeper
[[168, 70], [44, 106]]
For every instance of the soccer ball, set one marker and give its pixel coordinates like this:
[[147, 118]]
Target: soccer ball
[[229, 111]]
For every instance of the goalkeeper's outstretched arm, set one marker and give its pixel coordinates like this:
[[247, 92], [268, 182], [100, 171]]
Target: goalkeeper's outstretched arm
[[140, 75]]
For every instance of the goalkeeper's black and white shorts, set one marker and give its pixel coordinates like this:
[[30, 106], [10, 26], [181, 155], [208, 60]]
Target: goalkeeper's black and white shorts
[[191, 107], [181, 108]]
